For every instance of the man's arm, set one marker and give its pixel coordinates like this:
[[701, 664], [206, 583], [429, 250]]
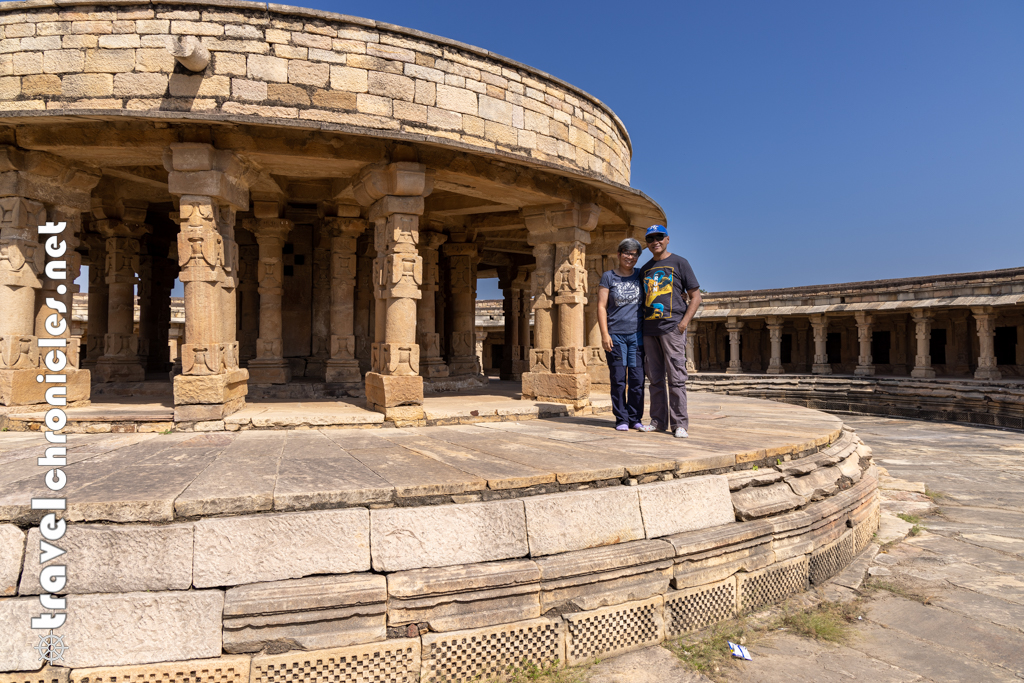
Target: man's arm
[[691, 309]]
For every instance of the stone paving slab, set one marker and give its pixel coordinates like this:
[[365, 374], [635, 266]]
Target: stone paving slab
[[163, 477]]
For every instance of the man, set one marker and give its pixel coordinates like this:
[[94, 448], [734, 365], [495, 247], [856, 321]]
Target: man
[[668, 281]]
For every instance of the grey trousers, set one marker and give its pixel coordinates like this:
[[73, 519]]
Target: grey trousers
[[665, 363]]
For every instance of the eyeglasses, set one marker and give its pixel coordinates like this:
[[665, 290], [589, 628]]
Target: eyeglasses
[[630, 254], [655, 238]]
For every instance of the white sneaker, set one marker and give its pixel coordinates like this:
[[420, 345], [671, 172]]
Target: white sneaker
[[680, 433]]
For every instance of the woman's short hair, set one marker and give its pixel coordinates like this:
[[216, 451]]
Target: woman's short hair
[[630, 244]]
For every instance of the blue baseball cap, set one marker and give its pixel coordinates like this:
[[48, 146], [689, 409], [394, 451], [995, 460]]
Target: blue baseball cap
[[656, 230]]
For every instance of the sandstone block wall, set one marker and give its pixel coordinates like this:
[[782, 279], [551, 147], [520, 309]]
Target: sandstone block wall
[[305, 68]]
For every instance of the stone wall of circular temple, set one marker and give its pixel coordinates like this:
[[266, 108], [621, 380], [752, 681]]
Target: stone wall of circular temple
[[290, 66], [356, 588]]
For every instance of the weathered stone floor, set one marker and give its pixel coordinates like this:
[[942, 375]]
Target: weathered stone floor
[[966, 569], [162, 477]]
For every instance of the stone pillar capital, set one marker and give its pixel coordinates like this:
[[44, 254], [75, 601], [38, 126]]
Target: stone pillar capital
[[432, 240], [338, 226], [271, 230], [774, 322], [547, 218], [399, 179], [201, 169], [734, 325], [921, 315], [460, 249], [47, 178], [863, 318]]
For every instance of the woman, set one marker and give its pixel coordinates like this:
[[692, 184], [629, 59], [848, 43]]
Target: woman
[[618, 314]]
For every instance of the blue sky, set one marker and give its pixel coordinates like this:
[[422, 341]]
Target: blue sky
[[792, 143]]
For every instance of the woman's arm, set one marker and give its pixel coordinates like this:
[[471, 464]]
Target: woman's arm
[[602, 317]]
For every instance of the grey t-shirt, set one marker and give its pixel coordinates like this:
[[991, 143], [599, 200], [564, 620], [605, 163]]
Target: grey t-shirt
[[623, 301], [666, 283]]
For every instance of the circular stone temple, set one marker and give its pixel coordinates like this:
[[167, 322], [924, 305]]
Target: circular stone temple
[[328, 190]]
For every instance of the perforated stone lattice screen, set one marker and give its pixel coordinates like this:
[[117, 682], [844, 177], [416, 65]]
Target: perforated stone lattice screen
[[864, 531], [611, 630], [484, 656], [396, 663], [826, 561], [772, 584], [229, 669], [696, 608]]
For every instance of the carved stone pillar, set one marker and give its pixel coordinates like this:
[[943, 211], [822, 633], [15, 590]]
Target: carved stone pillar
[[98, 299], [923, 332], [145, 305], [432, 365], [164, 272], [691, 355], [122, 222], [343, 366], [462, 260], [521, 289], [211, 185], [597, 364], [819, 327], [558, 367], [985, 321], [37, 189], [394, 195], [775, 337], [865, 363], [364, 323], [699, 358], [269, 366], [734, 327], [962, 344], [510, 303], [322, 303], [248, 296]]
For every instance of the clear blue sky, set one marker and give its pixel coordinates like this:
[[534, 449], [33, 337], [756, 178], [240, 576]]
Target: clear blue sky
[[792, 143]]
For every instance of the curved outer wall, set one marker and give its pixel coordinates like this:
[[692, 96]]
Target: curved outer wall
[[291, 66]]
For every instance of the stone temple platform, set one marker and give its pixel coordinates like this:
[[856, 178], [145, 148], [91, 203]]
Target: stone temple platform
[[440, 553]]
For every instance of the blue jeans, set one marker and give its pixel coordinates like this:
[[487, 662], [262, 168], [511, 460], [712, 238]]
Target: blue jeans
[[626, 372]]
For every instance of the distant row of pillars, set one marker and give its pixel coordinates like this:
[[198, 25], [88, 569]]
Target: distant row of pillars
[[984, 316]]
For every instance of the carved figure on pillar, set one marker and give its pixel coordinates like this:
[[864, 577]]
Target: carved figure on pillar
[[211, 186], [344, 232], [559, 234], [596, 362], [394, 194]]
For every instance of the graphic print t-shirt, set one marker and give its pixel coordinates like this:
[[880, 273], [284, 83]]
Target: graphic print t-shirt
[[666, 283], [623, 301]]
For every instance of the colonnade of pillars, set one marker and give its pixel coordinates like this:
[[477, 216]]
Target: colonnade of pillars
[[377, 282], [919, 346]]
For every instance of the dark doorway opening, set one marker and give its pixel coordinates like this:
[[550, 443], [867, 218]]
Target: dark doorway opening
[[1006, 345], [937, 346], [881, 343], [834, 347], [787, 348]]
